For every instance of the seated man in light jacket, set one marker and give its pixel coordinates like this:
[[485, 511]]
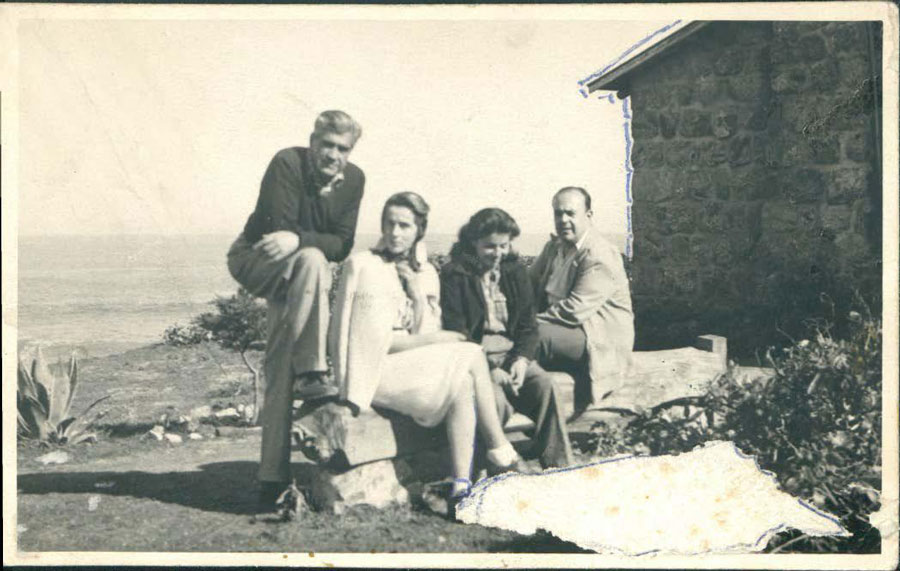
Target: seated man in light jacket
[[585, 320]]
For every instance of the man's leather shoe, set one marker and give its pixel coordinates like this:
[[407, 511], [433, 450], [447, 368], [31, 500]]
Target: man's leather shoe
[[313, 386], [269, 492]]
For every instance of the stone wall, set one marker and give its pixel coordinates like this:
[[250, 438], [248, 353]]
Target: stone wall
[[757, 184]]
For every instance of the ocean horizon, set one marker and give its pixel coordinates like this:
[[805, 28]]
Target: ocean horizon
[[97, 295]]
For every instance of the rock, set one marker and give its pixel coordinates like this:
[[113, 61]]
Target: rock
[[57, 457], [337, 438], [375, 484], [157, 432], [229, 431], [201, 412], [378, 484], [195, 436], [173, 438], [228, 413]]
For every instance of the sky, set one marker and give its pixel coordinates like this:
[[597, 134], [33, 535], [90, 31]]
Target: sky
[[166, 126]]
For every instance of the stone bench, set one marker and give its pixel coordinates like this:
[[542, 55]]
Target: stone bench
[[374, 457]]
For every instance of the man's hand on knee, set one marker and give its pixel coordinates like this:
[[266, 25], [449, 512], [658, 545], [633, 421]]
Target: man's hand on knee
[[504, 379], [278, 245]]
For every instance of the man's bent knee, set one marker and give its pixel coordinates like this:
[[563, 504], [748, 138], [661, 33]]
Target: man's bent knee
[[313, 256]]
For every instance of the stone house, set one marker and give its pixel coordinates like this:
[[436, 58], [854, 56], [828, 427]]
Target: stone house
[[757, 178]]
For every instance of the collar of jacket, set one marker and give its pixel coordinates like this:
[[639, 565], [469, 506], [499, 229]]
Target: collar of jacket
[[461, 267]]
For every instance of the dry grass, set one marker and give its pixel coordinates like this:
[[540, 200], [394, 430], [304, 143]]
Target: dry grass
[[199, 496]]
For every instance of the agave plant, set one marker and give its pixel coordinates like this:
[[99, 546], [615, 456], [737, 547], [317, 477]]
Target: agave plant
[[44, 400]]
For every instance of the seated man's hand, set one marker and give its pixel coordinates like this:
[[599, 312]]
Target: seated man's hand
[[278, 245], [504, 379], [517, 372]]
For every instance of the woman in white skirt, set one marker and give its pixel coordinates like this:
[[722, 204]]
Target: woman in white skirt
[[388, 349]]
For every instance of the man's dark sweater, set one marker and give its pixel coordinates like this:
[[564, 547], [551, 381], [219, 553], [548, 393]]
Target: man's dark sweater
[[289, 200]]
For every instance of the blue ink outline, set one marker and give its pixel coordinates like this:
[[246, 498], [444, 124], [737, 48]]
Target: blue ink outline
[[629, 176], [622, 56]]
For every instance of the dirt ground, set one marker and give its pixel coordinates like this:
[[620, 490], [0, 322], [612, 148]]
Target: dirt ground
[[128, 492]]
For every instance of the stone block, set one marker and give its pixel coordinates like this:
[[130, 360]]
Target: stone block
[[668, 123], [645, 124], [803, 185], [683, 93], [339, 440], [647, 153], [729, 62], [710, 89], [758, 59], [783, 218], [684, 155], [798, 113], [847, 36], [695, 123], [789, 79], [837, 218], [858, 213], [853, 70], [653, 185], [823, 75], [724, 124], [680, 244], [739, 150], [715, 344], [378, 484], [845, 185], [811, 48], [749, 87], [757, 119], [698, 185], [857, 146]]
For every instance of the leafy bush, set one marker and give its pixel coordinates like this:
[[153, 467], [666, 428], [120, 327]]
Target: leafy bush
[[44, 400], [815, 423], [238, 324], [185, 335]]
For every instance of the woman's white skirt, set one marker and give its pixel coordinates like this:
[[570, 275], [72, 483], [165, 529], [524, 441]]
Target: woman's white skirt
[[423, 382]]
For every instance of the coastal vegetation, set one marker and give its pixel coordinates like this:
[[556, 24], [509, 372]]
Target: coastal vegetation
[[44, 398], [814, 422]]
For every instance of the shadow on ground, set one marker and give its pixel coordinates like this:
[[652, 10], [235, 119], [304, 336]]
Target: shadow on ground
[[224, 487], [541, 542]]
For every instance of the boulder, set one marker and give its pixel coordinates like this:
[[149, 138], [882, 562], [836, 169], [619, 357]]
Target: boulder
[[378, 484]]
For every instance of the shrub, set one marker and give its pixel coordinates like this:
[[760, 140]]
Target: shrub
[[184, 335], [815, 423], [237, 324], [44, 400]]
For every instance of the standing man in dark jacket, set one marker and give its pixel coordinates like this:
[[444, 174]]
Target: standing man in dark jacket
[[486, 294], [305, 217]]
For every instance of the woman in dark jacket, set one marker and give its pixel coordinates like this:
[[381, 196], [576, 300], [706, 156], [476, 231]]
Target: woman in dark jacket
[[486, 295]]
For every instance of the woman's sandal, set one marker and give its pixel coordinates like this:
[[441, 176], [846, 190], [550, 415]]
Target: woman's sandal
[[439, 498]]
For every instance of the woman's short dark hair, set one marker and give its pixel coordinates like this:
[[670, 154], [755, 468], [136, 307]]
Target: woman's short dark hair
[[420, 210], [483, 223]]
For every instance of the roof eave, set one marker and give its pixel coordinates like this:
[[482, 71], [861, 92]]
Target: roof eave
[[616, 79]]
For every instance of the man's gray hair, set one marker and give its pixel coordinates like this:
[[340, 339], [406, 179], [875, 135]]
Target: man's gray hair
[[337, 122]]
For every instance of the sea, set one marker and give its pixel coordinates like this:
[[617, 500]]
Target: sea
[[100, 295]]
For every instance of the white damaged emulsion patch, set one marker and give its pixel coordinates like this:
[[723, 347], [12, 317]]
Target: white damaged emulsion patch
[[711, 500]]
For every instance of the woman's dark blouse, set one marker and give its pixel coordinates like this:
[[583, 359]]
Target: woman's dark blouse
[[463, 305]]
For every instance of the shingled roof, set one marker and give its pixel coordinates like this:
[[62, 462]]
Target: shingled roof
[[615, 78]]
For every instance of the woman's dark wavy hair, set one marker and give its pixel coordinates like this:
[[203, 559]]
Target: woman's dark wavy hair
[[483, 223], [420, 210]]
